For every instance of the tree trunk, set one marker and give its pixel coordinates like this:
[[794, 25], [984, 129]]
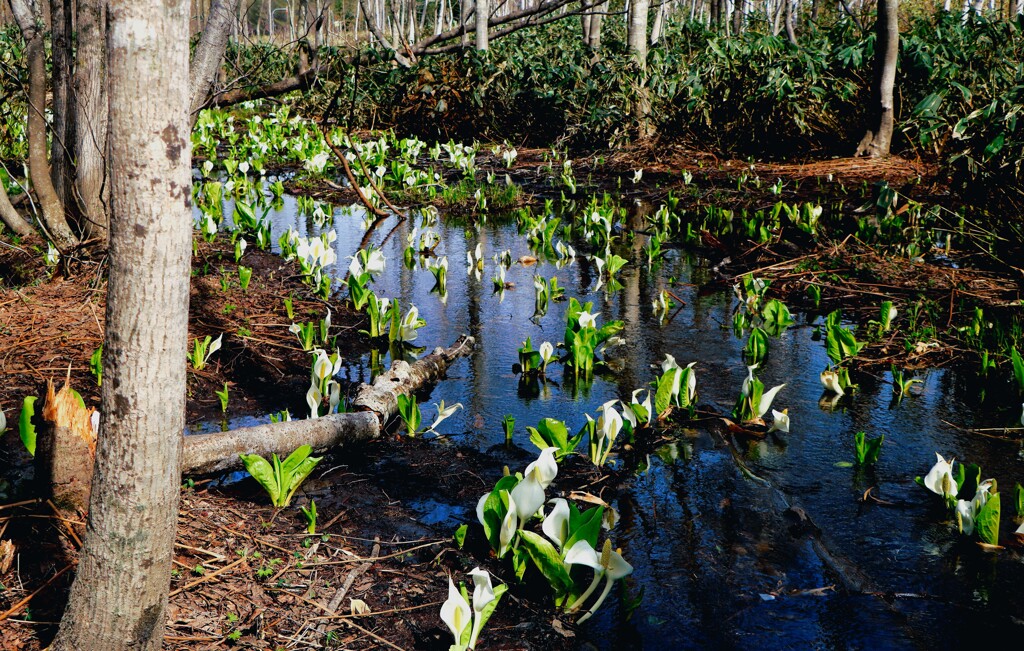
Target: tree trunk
[[659, 23], [878, 138], [790, 18], [737, 17], [29, 16], [637, 41], [119, 597], [62, 170], [209, 54], [91, 118], [465, 7], [483, 13], [11, 218], [595, 27]]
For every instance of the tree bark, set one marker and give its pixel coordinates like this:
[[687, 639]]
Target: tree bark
[[878, 138], [62, 170], [119, 597], [376, 404], [595, 26], [29, 15], [209, 54], [790, 21], [737, 17], [480, 32], [11, 218], [637, 41], [91, 118]]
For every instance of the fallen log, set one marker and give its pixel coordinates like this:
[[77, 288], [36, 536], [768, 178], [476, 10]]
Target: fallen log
[[374, 406]]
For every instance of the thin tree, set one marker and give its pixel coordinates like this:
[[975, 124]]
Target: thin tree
[[119, 597], [878, 138]]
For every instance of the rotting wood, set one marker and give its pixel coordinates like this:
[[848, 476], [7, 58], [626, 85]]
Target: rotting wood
[[66, 450], [375, 405]]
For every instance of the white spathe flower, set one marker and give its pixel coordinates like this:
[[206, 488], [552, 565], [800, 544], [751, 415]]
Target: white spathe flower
[[556, 522], [628, 414], [94, 422], [637, 175], [830, 380], [668, 364], [243, 167], [609, 423], [745, 387], [1022, 415], [313, 399], [509, 526], [215, 345], [333, 397], [545, 468], [375, 262], [646, 405], [444, 412], [409, 324], [547, 352], [587, 320], [456, 613], [781, 423], [317, 163], [766, 400], [323, 368], [939, 479], [207, 167], [965, 515], [355, 268], [483, 591]]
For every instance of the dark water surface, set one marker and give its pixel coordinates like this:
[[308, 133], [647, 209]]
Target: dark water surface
[[785, 557]]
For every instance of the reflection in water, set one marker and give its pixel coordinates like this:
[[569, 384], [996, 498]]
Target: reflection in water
[[721, 560]]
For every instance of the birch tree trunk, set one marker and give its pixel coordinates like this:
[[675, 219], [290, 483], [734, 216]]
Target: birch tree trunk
[[637, 41], [878, 138], [91, 117], [119, 597], [595, 26], [483, 13]]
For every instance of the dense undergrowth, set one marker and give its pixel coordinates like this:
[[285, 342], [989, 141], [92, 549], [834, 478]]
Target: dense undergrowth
[[960, 90]]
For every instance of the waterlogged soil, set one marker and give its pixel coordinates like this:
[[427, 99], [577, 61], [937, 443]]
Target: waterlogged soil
[[736, 541], [52, 320], [246, 575]]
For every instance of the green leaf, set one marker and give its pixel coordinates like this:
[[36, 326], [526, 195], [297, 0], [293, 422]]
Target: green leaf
[[25, 425], [547, 560], [297, 476], [1018, 500], [263, 473], [987, 521], [663, 396], [295, 459], [584, 526], [1018, 369], [460, 535]]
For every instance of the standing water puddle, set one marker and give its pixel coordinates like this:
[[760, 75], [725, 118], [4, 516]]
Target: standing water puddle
[[787, 556]]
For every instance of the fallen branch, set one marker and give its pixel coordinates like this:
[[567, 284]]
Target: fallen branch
[[375, 405]]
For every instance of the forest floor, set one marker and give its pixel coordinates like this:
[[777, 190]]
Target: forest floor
[[249, 575]]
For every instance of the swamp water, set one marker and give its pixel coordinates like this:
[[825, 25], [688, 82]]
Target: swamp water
[[734, 543]]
